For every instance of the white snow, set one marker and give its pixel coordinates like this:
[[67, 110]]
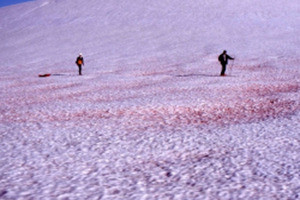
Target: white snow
[[150, 118]]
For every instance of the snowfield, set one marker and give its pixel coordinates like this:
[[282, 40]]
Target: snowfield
[[150, 118]]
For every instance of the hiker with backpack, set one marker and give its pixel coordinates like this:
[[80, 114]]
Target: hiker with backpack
[[80, 62], [223, 59]]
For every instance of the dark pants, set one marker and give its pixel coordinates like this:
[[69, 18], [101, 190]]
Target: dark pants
[[223, 69], [79, 68]]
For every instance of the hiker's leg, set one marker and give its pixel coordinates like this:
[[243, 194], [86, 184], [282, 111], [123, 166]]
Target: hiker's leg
[[223, 69], [79, 66]]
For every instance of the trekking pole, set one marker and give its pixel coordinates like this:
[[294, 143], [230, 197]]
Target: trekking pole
[[231, 67]]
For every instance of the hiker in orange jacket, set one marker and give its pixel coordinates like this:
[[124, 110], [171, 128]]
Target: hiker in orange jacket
[[80, 62]]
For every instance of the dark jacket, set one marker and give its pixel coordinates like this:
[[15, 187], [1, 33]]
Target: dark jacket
[[79, 61], [223, 58]]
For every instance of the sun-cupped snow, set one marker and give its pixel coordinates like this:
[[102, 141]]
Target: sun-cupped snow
[[150, 118]]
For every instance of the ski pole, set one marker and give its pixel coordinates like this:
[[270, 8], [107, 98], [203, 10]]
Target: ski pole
[[231, 67]]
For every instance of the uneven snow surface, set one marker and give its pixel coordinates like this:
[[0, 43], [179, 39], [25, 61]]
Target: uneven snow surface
[[150, 118]]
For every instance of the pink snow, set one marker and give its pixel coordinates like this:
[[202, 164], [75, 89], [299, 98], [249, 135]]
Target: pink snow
[[150, 118]]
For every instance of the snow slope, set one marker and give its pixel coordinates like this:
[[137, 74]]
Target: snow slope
[[150, 118]]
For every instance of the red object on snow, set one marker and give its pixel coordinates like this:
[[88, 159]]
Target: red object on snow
[[44, 75]]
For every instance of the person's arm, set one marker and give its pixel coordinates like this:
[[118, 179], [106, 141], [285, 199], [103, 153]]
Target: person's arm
[[230, 58]]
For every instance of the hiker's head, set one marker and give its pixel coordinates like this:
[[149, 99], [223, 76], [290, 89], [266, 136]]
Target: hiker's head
[[224, 52], [80, 54]]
